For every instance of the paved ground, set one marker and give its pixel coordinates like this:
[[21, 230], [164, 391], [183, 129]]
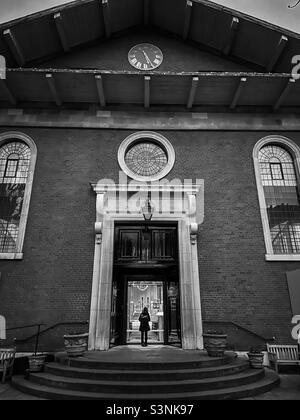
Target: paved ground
[[11, 394], [288, 390]]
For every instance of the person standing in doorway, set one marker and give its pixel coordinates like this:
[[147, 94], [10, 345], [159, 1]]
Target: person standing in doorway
[[144, 326]]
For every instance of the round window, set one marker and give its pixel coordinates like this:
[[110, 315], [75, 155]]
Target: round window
[[146, 156]]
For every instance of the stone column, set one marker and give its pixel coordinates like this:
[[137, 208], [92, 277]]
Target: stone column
[[95, 286], [191, 316], [105, 287]]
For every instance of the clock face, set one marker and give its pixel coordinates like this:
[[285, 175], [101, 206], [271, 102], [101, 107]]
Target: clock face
[[145, 57]]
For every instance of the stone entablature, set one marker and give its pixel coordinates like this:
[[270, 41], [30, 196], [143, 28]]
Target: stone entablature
[[173, 121]]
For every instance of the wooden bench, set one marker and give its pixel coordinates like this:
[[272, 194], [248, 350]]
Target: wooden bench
[[283, 355], [7, 358]]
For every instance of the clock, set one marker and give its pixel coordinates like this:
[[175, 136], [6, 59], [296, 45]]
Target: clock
[[145, 57]]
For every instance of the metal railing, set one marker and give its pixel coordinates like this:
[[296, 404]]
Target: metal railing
[[246, 330], [40, 332], [37, 335]]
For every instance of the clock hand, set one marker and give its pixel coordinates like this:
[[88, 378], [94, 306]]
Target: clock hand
[[148, 59]]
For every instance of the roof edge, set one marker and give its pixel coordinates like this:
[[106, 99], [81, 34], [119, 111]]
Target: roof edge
[[206, 3], [250, 18]]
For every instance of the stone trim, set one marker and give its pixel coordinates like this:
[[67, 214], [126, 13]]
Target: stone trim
[[191, 317], [6, 138], [11, 256], [118, 120], [283, 257]]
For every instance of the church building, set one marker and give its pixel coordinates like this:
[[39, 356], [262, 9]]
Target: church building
[[149, 157]]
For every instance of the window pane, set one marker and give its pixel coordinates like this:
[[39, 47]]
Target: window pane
[[11, 168], [129, 244], [14, 166], [282, 199], [276, 171], [162, 244], [146, 158]]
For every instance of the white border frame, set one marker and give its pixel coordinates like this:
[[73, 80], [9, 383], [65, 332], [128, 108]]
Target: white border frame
[[5, 138], [160, 139], [294, 150]]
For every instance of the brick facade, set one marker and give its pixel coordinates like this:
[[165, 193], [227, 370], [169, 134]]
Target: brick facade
[[52, 284]]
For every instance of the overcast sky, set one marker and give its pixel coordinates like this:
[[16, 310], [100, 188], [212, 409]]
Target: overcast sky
[[274, 11]]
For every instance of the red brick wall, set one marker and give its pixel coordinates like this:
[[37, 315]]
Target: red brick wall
[[52, 284]]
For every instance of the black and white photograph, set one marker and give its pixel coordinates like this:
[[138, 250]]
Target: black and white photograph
[[149, 203]]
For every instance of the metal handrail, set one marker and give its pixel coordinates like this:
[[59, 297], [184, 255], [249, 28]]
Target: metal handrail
[[39, 332], [266, 339], [24, 327], [37, 335]]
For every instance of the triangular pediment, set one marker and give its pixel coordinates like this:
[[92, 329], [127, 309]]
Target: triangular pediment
[[263, 47], [213, 57], [112, 54]]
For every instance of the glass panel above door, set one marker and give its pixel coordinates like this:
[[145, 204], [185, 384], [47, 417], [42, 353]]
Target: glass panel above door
[[163, 244], [147, 243], [130, 244]]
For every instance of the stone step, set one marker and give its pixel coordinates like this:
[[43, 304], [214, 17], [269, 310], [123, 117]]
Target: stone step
[[148, 375], [157, 386], [266, 383], [105, 363]]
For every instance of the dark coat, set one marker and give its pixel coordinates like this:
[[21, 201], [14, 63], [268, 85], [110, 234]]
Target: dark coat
[[144, 322]]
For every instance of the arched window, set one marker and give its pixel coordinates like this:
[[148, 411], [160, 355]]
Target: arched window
[[276, 164], [17, 161]]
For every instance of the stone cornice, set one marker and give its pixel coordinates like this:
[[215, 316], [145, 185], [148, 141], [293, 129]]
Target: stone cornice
[[149, 120]]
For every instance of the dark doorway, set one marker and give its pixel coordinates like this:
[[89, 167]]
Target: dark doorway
[[145, 274]]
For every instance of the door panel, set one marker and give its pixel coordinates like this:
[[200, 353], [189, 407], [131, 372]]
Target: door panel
[[173, 313], [117, 310]]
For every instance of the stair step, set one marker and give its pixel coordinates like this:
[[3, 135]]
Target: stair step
[[269, 381], [137, 387], [149, 375], [106, 363]]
